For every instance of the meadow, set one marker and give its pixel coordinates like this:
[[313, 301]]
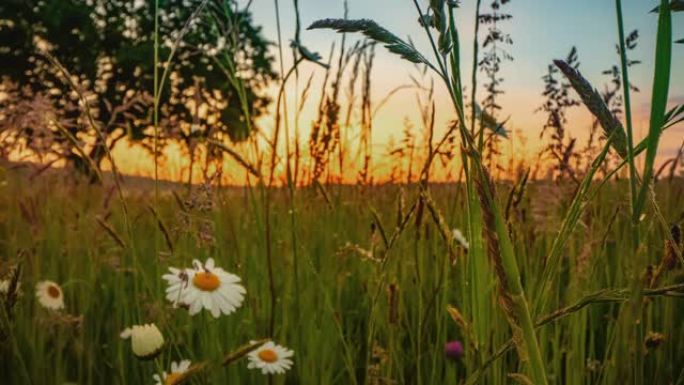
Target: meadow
[[564, 271], [353, 308]]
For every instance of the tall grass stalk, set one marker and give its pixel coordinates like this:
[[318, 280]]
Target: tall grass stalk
[[626, 87], [500, 249], [156, 94], [479, 271]]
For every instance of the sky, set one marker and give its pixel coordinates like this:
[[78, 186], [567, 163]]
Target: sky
[[541, 31]]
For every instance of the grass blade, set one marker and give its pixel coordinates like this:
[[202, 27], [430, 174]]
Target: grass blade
[[661, 85]]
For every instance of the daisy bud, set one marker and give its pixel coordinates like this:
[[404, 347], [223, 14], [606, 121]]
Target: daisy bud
[[146, 340]]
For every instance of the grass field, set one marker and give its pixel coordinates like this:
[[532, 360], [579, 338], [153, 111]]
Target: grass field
[[352, 309], [317, 270]]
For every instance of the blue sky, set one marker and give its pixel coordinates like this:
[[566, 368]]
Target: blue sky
[[541, 31]]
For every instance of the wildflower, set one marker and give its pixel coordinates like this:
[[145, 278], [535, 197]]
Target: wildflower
[[453, 349], [50, 295], [460, 238], [146, 340], [205, 286], [178, 371], [270, 358], [4, 286]]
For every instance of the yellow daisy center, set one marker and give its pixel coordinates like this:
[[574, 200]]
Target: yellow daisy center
[[206, 281], [268, 355], [173, 378], [53, 291]]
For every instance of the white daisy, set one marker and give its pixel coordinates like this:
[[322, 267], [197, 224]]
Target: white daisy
[[270, 358], [50, 295], [461, 239], [176, 375], [205, 286], [146, 340]]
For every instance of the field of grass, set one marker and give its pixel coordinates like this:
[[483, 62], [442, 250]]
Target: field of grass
[[361, 280], [500, 276]]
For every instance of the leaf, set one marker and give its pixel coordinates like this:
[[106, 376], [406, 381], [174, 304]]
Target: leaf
[[307, 54], [375, 32], [675, 6], [680, 41], [661, 87], [378, 222], [490, 122], [674, 116]]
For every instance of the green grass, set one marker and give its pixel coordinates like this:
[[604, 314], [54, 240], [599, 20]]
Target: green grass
[[342, 304], [570, 284]]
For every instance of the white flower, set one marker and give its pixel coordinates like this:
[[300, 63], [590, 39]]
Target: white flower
[[50, 295], [461, 239], [146, 340], [4, 286], [270, 358], [176, 375], [205, 286]]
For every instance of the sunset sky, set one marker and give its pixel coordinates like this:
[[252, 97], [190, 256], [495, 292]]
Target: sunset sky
[[541, 31]]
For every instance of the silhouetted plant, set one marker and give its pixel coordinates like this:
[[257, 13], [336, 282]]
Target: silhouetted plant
[[495, 45], [557, 101]]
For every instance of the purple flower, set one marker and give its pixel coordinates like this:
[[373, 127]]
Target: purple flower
[[453, 349]]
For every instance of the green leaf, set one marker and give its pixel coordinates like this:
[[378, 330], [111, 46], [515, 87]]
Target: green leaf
[[375, 32], [674, 116], [661, 86], [675, 6]]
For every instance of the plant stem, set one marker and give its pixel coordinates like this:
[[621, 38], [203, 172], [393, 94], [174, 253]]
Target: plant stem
[[630, 134]]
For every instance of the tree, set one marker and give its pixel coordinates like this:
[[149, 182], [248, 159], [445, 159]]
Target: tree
[[108, 48]]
